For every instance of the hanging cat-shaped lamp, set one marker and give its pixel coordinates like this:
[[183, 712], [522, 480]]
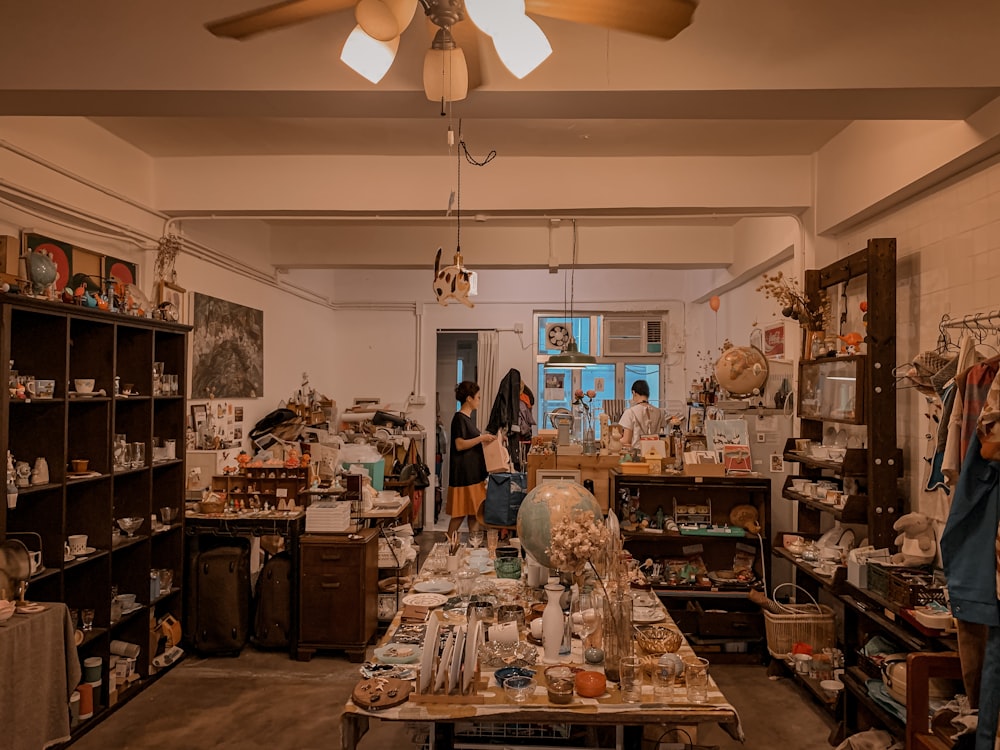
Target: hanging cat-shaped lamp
[[454, 281]]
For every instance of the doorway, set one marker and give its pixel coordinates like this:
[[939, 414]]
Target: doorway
[[457, 360]]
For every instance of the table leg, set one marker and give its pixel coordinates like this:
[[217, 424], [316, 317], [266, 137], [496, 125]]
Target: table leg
[[352, 728]]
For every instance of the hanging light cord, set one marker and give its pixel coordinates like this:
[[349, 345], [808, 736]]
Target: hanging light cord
[[463, 150]]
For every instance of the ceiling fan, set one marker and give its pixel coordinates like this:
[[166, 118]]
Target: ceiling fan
[[521, 45]]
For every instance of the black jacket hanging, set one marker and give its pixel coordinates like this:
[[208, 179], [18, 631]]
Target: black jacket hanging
[[506, 413]]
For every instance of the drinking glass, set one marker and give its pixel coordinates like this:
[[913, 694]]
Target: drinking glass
[[696, 672], [138, 455], [630, 682], [87, 618], [492, 540], [586, 620], [665, 673], [157, 378], [121, 452]]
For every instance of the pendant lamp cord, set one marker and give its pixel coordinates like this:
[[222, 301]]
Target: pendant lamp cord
[[463, 150]]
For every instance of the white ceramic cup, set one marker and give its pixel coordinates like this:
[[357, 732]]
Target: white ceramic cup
[[77, 543], [36, 561], [536, 628], [84, 385]]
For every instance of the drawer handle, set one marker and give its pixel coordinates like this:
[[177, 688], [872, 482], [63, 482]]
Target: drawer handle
[[329, 585], [329, 558]]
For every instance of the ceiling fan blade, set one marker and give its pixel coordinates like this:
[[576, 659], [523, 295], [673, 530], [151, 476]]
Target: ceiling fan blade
[[275, 16], [660, 18], [467, 37]]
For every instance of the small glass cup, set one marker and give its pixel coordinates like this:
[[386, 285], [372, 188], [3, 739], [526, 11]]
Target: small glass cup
[[696, 673], [87, 619], [630, 679], [492, 540], [665, 673], [518, 688]]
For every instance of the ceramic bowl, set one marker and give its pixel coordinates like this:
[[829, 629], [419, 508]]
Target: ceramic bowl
[[504, 672], [590, 684]]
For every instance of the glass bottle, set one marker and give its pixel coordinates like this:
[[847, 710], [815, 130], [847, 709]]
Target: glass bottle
[[617, 633]]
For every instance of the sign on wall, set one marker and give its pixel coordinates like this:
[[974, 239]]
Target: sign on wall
[[227, 350]]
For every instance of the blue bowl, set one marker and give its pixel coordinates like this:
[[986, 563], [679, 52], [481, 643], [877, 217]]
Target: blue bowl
[[504, 672]]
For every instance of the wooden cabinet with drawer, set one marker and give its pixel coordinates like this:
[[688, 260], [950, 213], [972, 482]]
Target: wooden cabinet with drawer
[[338, 593]]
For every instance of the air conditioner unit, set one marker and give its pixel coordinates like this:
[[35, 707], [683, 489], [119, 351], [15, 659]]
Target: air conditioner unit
[[632, 337]]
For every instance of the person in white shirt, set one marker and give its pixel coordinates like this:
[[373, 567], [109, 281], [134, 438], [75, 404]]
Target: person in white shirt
[[641, 418]]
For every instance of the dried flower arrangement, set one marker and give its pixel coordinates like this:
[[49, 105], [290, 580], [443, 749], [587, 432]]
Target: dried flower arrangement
[[575, 540], [811, 314]]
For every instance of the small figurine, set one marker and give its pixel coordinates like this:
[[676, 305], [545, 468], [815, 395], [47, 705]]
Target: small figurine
[[243, 460], [851, 341], [11, 482], [615, 441], [292, 459]]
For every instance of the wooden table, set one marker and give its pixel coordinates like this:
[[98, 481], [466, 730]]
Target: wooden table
[[40, 669], [491, 707]]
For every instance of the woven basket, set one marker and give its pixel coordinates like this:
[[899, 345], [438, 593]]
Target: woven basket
[[211, 506], [812, 624], [657, 640]]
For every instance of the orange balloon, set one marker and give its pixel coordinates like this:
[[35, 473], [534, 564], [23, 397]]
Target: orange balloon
[[714, 303]]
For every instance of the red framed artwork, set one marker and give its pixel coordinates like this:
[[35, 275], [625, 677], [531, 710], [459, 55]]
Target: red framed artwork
[[774, 341]]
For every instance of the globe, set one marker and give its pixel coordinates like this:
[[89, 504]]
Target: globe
[[544, 507], [742, 370]]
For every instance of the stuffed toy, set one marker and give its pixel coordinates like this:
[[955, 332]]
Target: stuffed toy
[[917, 543]]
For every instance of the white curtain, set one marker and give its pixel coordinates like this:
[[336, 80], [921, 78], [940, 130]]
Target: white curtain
[[488, 363]]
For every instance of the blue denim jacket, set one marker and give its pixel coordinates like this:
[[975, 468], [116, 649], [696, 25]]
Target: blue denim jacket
[[968, 543]]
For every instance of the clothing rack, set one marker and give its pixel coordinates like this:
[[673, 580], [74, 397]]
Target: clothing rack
[[987, 321]]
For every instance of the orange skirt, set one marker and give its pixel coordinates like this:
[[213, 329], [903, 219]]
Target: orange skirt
[[465, 501]]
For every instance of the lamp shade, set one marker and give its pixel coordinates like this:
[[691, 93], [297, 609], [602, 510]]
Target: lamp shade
[[367, 56], [571, 358], [493, 16], [522, 46], [446, 75], [377, 20]]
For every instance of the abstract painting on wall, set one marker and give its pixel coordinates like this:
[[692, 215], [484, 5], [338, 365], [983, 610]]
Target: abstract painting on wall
[[227, 350]]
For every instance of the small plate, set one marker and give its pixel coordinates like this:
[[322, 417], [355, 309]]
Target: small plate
[[74, 394], [648, 614], [134, 608], [69, 558], [82, 474], [30, 609], [86, 551], [425, 599], [435, 586], [388, 654]]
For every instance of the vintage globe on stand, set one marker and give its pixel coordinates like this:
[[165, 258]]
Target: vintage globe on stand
[[742, 370], [544, 507]]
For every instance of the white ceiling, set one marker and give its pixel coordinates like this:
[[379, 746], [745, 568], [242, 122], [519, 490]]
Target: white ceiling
[[747, 78]]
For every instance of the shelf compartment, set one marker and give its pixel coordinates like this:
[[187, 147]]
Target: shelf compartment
[[833, 582], [855, 680], [899, 632]]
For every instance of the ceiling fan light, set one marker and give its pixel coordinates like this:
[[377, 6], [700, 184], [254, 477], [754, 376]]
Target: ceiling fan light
[[493, 16], [522, 46], [377, 19], [446, 74], [368, 57], [403, 10]]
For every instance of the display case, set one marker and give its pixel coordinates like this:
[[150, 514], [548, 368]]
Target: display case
[[832, 389]]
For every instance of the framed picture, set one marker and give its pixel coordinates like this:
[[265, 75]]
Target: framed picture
[[122, 270], [173, 294], [722, 432], [60, 252], [777, 464], [774, 341], [227, 349], [199, 414]]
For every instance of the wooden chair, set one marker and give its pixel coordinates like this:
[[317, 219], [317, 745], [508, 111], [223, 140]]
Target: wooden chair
[[921, 666]]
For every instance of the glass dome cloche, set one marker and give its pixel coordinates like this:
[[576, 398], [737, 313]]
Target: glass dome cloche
[[742, 370], [544, 508]]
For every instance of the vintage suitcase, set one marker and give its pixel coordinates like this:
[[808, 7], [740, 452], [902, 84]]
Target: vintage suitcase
[[221, 598], [273, 604]]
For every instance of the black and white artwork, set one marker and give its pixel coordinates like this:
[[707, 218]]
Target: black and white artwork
[[227, 358]]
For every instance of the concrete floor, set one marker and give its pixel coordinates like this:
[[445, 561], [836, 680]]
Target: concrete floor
[[267, 700]]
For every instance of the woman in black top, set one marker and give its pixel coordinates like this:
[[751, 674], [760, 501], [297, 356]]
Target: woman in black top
[[467, 464]]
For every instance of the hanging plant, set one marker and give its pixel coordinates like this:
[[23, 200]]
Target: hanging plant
[[812, 314], [166, 255]]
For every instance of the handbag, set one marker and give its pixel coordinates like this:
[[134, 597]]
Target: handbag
[[496, 454], [416, 469], [504, 493]]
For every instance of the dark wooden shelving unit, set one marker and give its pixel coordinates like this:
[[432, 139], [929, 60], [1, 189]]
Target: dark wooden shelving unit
[[62, 342]]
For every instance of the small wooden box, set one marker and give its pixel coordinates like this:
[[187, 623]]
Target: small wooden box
[[634, 467], [704, 470]]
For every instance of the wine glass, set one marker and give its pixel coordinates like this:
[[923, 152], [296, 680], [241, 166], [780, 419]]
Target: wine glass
[[130, 524], [476, 539]]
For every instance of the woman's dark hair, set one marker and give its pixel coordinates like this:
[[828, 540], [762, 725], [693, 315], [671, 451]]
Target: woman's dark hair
[[640, 388], [465, 389]]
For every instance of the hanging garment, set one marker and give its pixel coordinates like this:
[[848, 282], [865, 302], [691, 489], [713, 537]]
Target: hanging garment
[[952, 462], [506, 412]]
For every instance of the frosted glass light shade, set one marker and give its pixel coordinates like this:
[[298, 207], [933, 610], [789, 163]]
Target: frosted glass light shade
[[446, 75], [522, 46], [368, 57], [493, 16]]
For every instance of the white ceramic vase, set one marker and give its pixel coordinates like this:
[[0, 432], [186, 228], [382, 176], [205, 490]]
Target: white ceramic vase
[[552, 623]]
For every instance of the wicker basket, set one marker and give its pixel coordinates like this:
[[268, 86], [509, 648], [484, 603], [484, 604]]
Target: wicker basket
[[799, 623], [657, 640]]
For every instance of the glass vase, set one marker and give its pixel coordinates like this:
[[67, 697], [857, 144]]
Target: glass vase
[[617, 635]]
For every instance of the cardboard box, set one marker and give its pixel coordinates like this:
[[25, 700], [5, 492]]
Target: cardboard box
[[704, 470], [634, 467]]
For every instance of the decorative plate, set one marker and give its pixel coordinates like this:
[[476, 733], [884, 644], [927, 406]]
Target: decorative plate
[[425, 599], [648, 614], [380, 692], [30, 608], [397, 653], [435, 586], [86, 551]]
